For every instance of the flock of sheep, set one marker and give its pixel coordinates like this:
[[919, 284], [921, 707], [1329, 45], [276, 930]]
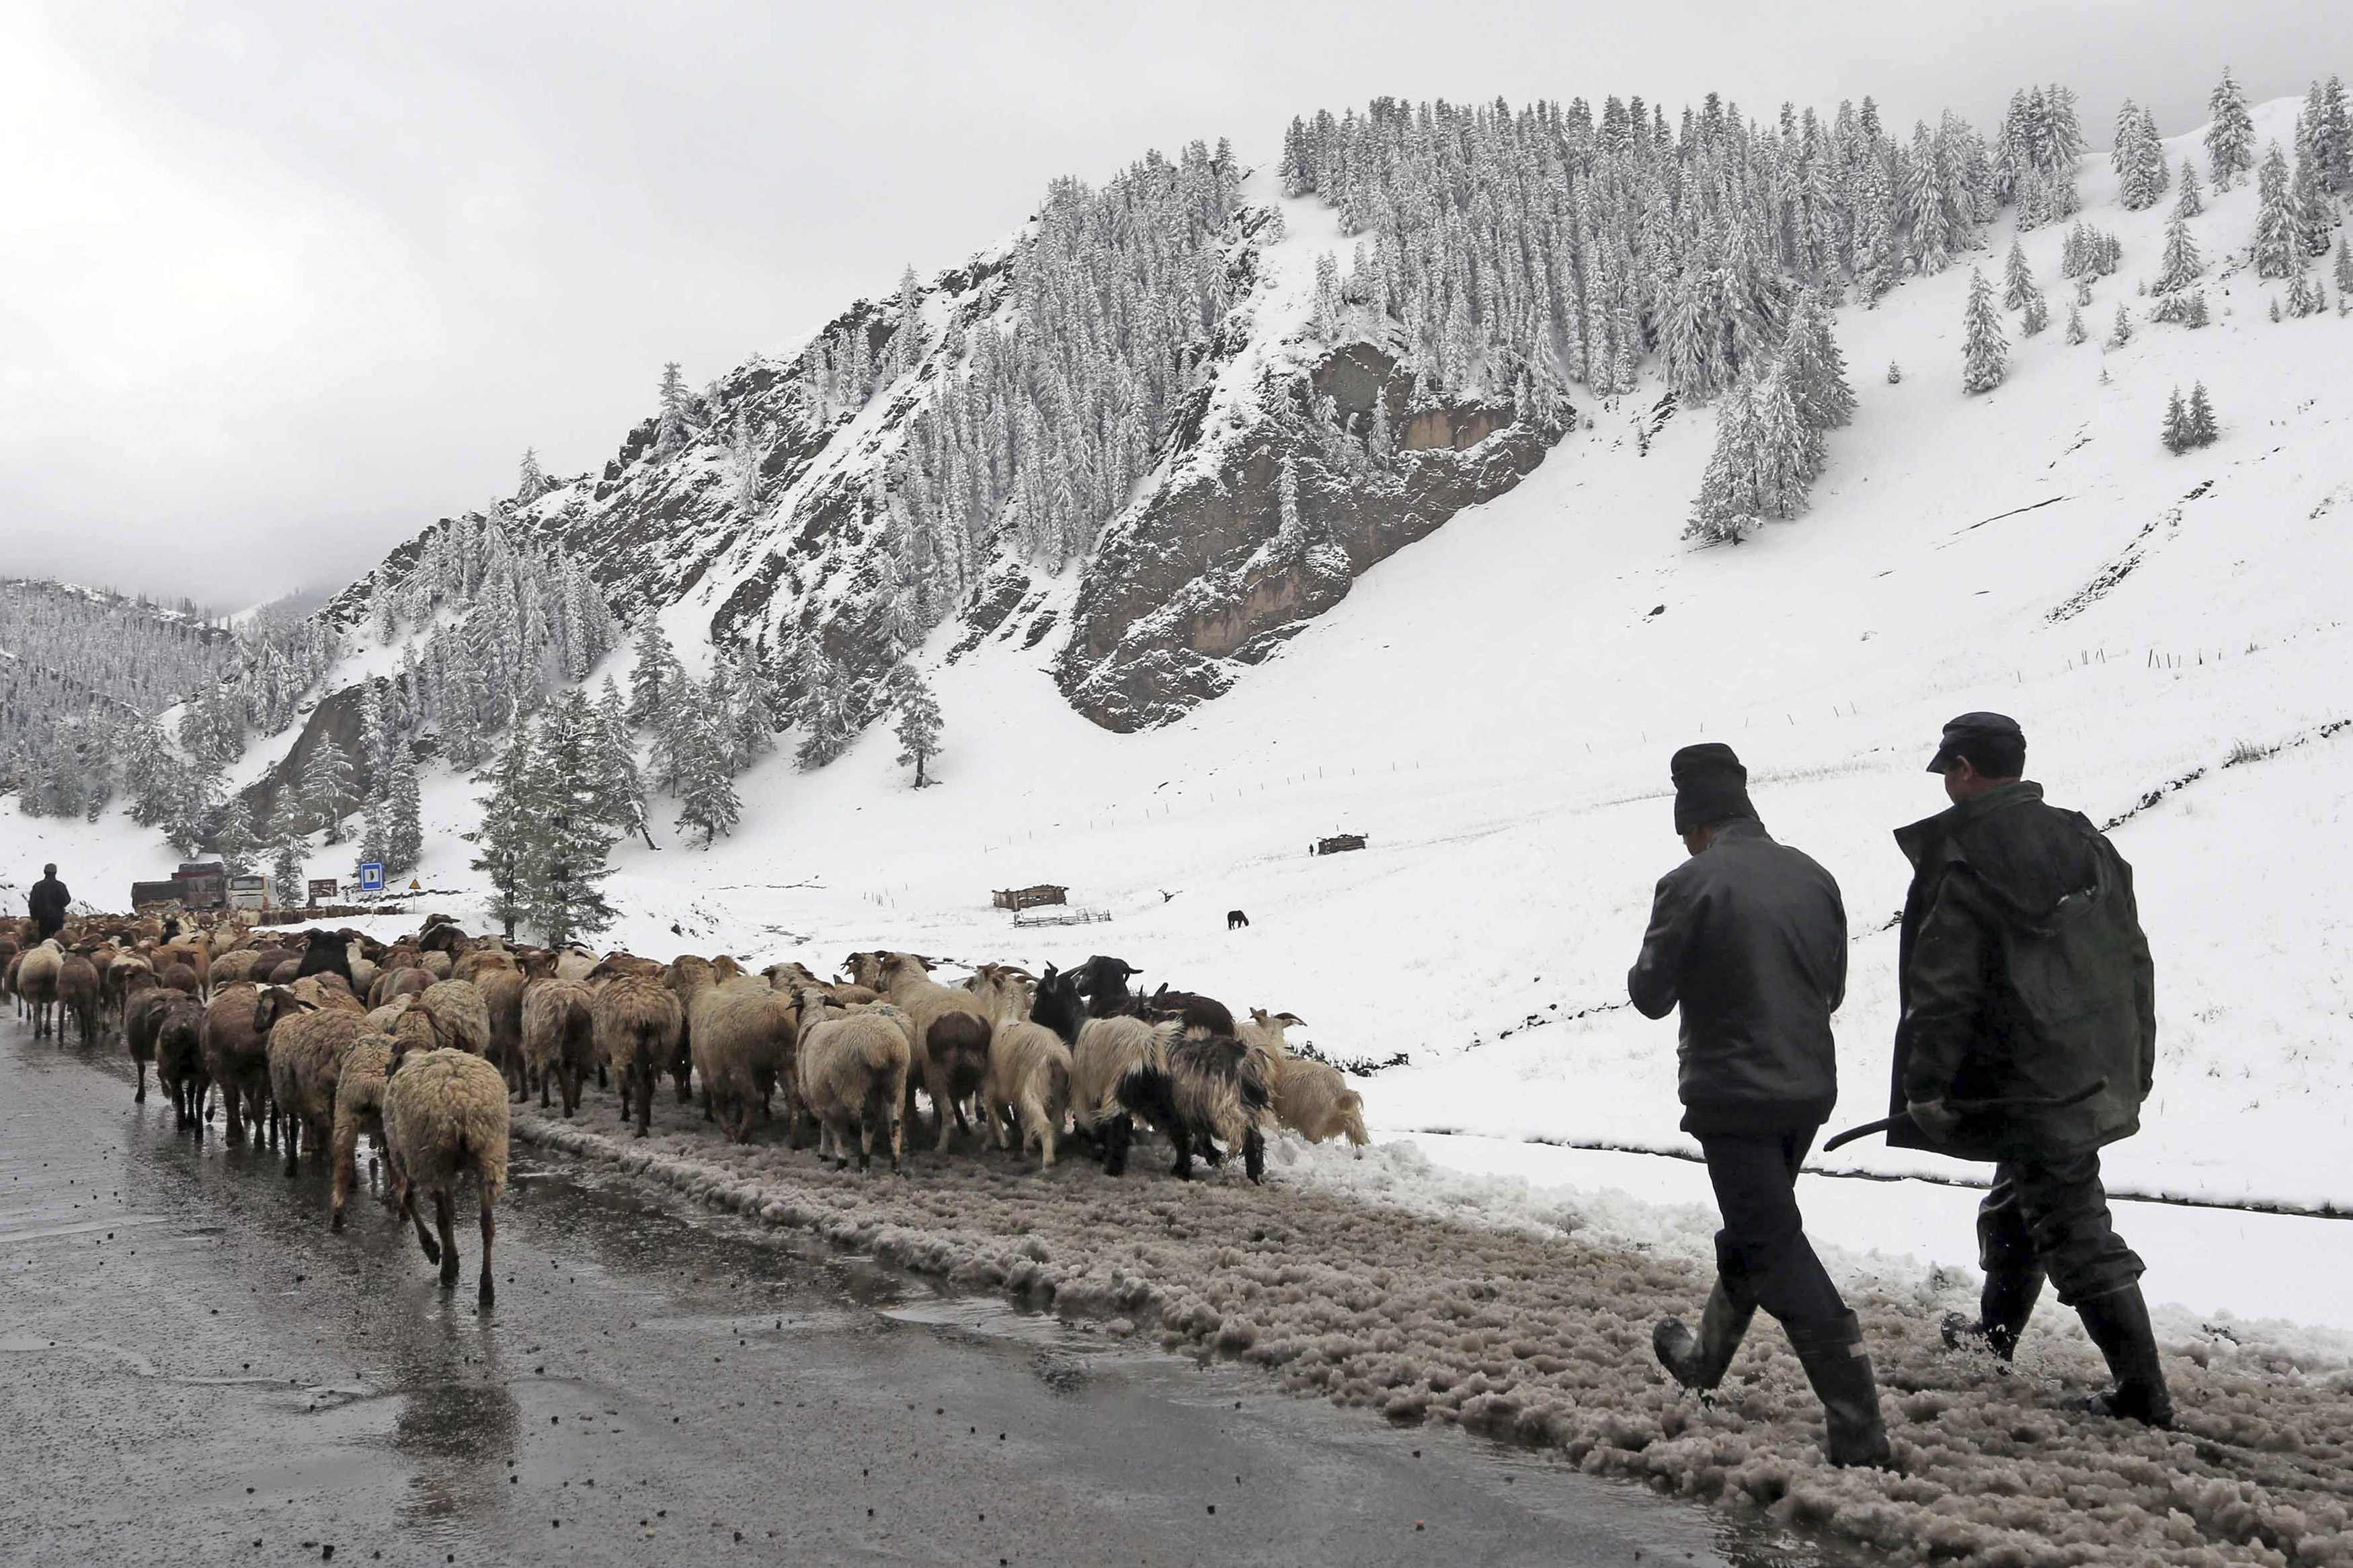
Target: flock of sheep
[[423, 1043]]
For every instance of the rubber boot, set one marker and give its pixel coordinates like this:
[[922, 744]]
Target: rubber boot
[[2003, 1307], [1840, 1369], [2118, 1323], [1699, 1361]]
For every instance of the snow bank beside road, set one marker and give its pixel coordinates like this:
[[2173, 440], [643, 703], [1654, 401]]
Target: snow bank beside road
[[1537, 1330]]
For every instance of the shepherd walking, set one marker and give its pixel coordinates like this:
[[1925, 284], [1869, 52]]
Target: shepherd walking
[[2026, 981], [47, 904], [1748, 937]]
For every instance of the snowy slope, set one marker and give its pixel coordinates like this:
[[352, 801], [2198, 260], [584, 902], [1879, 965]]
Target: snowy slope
[[1495, 706]]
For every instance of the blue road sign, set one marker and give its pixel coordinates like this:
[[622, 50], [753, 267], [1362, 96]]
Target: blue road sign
[[372, 878]]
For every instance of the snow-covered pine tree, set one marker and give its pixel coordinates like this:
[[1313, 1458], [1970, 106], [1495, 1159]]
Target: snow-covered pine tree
[[1813, 366], [2018, 281], [531, 481], [825, 727], [1985, 350], [2230, 133], [2337, 118], [326, 786], [2278, 242], [621, 788], [670, 432], [919, 724], [745, 456], [404, 814], [504, 834], [289, 848], [1894, 374], [2304, 298], [373, 752], [1788, 454], [2314, 210], [2121, 332], [568, 848], [2344, 275], [371, 840], [233, 838], [654, 661], [1290, 535], [1726, 509], [2189, 203], [2138, 159], [706, 789], [2035, 317], [2201, 428], [384, 605], [2181, 264], [2076, 331], [2175, 431]]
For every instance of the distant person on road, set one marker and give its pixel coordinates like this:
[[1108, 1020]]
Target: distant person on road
[[47, 904], [1748, 937], [2026, 980]]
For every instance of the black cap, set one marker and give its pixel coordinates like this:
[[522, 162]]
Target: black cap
[[1711, 786], [1992, 742]]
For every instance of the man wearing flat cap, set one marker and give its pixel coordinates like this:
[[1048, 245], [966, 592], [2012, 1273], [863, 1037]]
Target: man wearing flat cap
[[1747, 938], [2026, 982]]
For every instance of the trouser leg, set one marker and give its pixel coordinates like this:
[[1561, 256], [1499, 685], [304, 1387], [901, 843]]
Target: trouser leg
[[2013, 1278], [2064, 1208], [1762, 1254]]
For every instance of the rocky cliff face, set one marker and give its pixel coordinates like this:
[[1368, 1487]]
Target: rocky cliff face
[[1201, 580], [761, 521]]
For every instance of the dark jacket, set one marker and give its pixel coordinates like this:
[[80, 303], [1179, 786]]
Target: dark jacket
[[2023, 975], [1748, 936], [47, 904]]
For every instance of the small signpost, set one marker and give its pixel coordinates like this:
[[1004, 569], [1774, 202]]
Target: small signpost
[[324, 889], [372, 876]]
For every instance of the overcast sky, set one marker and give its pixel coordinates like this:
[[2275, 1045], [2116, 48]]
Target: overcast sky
[[281, 282]]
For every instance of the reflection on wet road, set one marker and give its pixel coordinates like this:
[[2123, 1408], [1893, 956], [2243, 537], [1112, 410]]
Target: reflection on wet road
[[194, 1370]]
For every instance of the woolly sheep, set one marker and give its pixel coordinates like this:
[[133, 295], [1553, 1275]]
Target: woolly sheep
[[445, 1115], [180, 1057], [1198, 1088], [448, 1014], [37, 983], [1314, 1100], [742, 1035], [951, 1032], [306, 1058], [575, 963], [470, 966], [237, 1054], [78, 993], [638, 1022], [142, 1015], [559, 1036], [502, 996], [359, 1107], [852, 1071], [1028, 1087]]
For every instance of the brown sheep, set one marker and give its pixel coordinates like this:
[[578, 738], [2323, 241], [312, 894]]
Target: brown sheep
[[359, 1107], [449, 1014], [237, 1052], [951, 1031], [141, 1015], [179, 1032], [559, 1037], [445, 1114], [393, 984], [78, 993], [306, 1058], [638, 1021], [502, 992], [470, 966]]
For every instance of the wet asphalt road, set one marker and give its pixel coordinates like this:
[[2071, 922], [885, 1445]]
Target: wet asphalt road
[[194, 1370]]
